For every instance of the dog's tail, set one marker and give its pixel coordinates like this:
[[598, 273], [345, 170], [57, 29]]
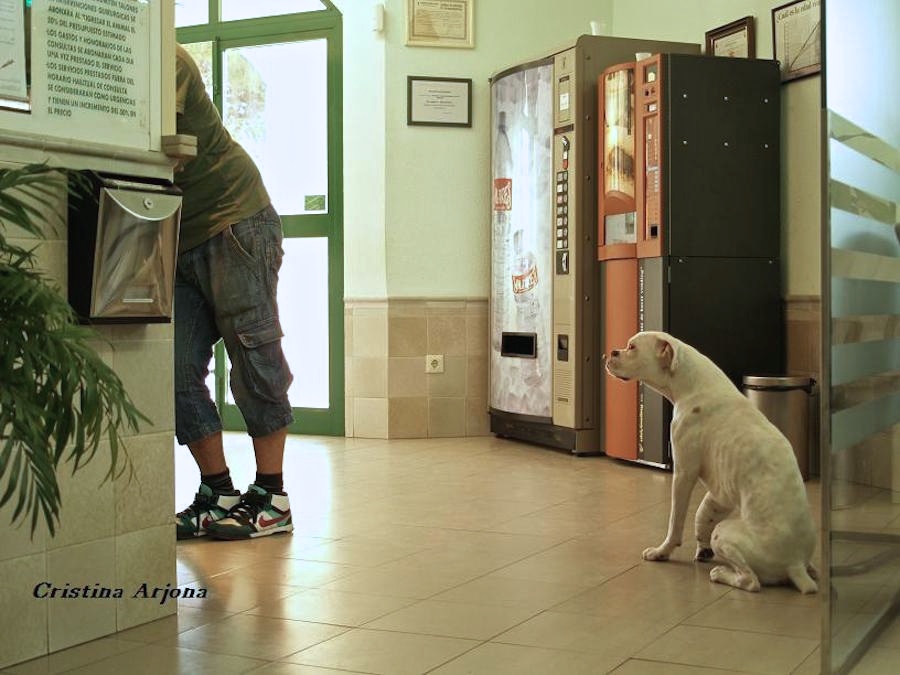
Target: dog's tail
[[799, 576]]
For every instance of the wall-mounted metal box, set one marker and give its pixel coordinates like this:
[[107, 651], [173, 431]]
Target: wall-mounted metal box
[[123, 246]]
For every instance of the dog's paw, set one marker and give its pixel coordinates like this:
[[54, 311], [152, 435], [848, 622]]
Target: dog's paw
[[703, 554], [655, 553]]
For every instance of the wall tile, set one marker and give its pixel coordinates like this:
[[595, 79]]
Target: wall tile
[[146, 371], [148, 498], [407, 336], [446, 417], [369, 377], [86, 495], [407, 376], [447, 335], [18, 540], [452, 382], [145, 557], [24, 619], [476, 334], [370, 417], [477, 377], [478, 422], [408, 417], [77, 620], [370, 336]]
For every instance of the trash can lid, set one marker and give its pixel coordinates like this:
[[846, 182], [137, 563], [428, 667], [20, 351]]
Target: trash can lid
[[780, 382]]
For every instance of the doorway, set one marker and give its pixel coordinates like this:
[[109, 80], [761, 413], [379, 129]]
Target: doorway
[[274, 72]]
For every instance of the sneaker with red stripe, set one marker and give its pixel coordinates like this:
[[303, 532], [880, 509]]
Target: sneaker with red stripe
[[257, 514]]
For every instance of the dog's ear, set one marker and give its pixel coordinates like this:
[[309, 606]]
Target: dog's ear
[[667, 353]]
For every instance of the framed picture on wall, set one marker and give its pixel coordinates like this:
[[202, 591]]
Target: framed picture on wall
[[733, 39], [440, 23], [438, 101], [797, 38]]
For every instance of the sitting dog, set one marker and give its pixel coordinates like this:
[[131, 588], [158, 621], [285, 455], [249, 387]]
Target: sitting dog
[[754, 517]]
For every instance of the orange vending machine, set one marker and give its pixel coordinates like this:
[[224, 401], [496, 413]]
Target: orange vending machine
[[617, 247], [703, 260]]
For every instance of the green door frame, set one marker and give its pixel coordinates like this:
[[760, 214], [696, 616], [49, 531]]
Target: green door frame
[[325, 24]]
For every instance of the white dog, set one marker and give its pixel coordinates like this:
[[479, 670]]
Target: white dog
[[754, 517]]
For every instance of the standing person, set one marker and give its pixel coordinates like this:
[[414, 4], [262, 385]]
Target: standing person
[[229, 255]]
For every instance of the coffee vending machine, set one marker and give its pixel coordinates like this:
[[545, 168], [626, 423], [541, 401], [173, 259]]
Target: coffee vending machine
[[701, 260], [545, 365]]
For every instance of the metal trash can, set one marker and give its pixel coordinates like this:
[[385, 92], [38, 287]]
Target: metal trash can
[[786, 403]]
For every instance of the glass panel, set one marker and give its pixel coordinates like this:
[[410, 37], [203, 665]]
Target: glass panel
[[202, 55], [303, 307], [862, 525], [232, 10], [276, 106], [191, 12]]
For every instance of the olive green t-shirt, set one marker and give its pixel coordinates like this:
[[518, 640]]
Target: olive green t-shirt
[[221, 186]]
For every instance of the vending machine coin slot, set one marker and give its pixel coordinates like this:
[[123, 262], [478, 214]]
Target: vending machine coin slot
[[562, 347]]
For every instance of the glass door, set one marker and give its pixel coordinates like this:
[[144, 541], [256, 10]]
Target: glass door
[[861, 330], [277, 85]]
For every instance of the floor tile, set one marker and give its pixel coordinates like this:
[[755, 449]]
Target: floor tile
[[75, 657], [453, 619], [729, 650], [383, 652], [773, 618], [256, 637], [642, 667], [499, 659], [157, 659], [333, 607], [492, 589], [583, 633], [281, 668]]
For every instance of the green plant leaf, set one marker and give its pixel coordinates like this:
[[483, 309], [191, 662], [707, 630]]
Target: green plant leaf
[[58, 399]]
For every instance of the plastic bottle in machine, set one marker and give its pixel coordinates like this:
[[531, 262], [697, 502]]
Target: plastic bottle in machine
[[503, 173]]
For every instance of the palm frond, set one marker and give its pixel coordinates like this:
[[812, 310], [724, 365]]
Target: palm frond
[[58, 399]]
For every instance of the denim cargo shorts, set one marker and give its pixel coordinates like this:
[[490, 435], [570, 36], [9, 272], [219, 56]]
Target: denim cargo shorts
[[226, 288]]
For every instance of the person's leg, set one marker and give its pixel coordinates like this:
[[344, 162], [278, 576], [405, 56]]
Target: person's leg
[[209, 453], [197, 422], [269, 450], [244, 287]]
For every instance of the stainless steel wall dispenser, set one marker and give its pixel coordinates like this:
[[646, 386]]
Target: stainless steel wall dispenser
[[123, 245]]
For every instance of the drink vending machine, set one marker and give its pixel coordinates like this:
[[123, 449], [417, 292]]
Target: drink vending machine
[[701, 260], [545, 366]]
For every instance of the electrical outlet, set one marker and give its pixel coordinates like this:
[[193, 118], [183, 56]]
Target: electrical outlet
[[434, 363]]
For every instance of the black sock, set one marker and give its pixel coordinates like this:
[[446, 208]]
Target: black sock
[[270, 482], [218, 482]]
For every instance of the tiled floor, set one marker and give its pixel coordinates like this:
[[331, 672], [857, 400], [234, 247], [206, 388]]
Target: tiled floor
[[450, 556]]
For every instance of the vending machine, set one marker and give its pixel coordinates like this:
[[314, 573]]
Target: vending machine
[[545, 365], [703, 260]]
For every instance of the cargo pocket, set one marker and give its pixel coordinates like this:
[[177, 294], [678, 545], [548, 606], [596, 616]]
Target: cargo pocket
[[267, 371]]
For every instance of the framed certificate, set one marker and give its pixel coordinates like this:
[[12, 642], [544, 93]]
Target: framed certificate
[[734, 39], [797, 38], [438, 101], [439, 23]]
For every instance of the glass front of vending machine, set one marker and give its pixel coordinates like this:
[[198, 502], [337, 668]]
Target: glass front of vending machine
[[521, 252]]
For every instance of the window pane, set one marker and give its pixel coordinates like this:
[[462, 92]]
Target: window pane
[[191, 12], [275, 105], [232, 10], [303, 308], [303, 305], [202, 55]]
